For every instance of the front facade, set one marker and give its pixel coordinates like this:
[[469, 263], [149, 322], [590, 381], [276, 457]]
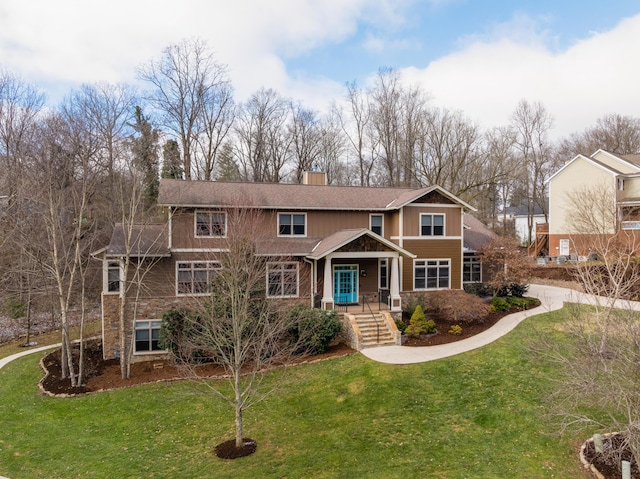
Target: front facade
[[604, 185], [326, 246]]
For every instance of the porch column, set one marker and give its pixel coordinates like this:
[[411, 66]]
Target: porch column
[[394, 283], [327, 289]]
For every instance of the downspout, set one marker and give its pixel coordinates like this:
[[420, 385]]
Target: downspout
[[314, 278]]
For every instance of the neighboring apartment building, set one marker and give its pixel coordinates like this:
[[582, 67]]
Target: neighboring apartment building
[[604, 185], [329, 246]]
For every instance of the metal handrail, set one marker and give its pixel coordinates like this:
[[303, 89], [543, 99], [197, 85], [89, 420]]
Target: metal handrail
[[364, 301]]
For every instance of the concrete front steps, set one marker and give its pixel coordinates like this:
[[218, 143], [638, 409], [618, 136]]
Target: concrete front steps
[[372, 329]]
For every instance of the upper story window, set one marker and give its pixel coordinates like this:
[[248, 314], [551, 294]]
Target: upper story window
[[194, 277], [292, 224], [431, 224], [376, 223], [113, 275], [211, 224]]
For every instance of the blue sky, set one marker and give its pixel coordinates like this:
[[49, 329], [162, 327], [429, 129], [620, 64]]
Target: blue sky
[[579, 58]]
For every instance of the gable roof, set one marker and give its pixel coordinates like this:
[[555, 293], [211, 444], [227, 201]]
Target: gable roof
[[341, 238], [292, 196], [578, 157]]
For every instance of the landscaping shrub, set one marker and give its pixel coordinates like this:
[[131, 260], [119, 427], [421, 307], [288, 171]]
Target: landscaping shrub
[[499, 304], [458, 306], [419, 324], [174, 329], [411, 301], [455, 330], [479, 289], [513, 289], [313, 329], [401, 325]]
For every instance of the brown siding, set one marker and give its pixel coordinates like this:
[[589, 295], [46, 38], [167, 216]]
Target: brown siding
[[433, 249], [453, 219]]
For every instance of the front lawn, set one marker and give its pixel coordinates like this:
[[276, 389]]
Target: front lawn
[[476, 415]]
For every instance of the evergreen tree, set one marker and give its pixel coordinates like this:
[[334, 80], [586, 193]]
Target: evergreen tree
[[144, 147], [172, 163], [228, 169]]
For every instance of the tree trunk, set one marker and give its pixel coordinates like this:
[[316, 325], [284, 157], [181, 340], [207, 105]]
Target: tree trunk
[[238, 404]]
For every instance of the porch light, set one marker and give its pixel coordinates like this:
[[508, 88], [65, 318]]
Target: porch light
[[363, 273]]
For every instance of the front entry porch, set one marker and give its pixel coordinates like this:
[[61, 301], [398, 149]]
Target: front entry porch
[[351, 266]]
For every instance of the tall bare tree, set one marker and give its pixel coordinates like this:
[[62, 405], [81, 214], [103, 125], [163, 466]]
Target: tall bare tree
[[263, 140], [236, 325], [531, 123], [191, 94], [615, 133], [356, 124]]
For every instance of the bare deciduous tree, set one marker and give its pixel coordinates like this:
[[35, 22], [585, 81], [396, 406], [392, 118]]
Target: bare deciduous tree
[[191, 94], [263, 141], [237, 326], [531, 123]]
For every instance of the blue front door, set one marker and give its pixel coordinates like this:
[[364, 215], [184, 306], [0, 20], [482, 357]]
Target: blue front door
[[345, 284]]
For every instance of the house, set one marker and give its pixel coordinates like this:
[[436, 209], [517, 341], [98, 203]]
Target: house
[[331, 247], [604, 188]]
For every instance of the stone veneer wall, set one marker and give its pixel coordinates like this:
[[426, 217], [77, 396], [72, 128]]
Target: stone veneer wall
[[148, 308]]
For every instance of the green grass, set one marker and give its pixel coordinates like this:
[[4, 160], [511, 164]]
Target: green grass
[[476, 415], [91, 329]]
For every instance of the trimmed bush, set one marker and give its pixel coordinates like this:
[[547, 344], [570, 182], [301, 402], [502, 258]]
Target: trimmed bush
[[401, 325], [455, 330], [419, 324], [313, 329], [458, 306], [500, 304], [513, 289]]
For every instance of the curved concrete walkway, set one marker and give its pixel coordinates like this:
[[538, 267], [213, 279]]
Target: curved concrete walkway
[[8, 359], [551, 298]]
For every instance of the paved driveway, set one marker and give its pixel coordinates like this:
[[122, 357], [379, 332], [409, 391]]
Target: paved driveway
[[551, 298]]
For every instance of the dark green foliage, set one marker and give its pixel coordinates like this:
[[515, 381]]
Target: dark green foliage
[[178, 326], [172, 162], [401, 325], [144, 147], [312, 330], [479, 289], [14, 308], [513, 289], [500, 304]]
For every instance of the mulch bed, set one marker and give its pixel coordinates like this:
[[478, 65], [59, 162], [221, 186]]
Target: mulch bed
[[610, 467], [103, 375]]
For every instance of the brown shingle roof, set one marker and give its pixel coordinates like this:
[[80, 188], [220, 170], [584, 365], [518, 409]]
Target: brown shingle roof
[[288, 196], [146, 240], [476, 234], [340, 238]]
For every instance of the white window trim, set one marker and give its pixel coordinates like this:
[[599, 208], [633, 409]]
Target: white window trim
[[371, 215], [178, 263], [425, 260], [105, 276], [479, 261], [386, 262], [444, 225], [283, 296], [304, 235], [142, 353], [195, 223]]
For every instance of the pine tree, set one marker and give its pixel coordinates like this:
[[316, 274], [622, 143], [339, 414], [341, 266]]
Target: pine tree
[[172, 163]]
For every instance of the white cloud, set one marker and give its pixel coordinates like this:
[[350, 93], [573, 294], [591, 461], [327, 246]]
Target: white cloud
[[489, 76], [74, 41]]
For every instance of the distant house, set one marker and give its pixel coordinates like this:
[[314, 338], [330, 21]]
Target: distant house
[[329, 247], [616, 181]]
